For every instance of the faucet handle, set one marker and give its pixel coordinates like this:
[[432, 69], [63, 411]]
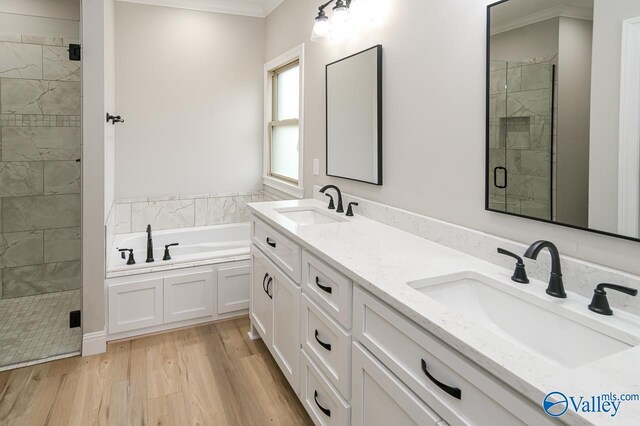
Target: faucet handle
[[350, 209], [167, 255], [131, 260], [520, 273], [332, 206], [600, 303]]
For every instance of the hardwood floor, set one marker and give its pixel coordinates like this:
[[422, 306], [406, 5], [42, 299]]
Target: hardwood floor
[[208, 375]]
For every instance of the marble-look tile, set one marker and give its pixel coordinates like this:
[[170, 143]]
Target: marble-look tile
[[540, 137], [61, 177], [61, 245], [40, 212], [20, 60], [215, 211], [40, 143], [514, 160], [536, 77], [518, 133], [257, 198], [39, 97], [21, 178], [530, 187], [497, 65], [67, 41], [514, 79], [535, 209], [162, 215], [20, 248], [535, 163], [57, 66], [122, 218], [526, 104], [38, 39], [243, 212], [497, 82], [38, 279], [12, 37], [498, 105]]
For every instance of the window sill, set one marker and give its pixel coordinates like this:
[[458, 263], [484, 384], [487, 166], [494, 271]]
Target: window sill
[[287, 188]]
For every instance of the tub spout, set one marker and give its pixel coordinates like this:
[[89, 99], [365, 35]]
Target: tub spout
[[149, 245]]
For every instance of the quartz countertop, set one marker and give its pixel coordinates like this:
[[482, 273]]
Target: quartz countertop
[[383, 259]]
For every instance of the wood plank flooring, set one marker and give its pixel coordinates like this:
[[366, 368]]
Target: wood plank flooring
[[207, 375]]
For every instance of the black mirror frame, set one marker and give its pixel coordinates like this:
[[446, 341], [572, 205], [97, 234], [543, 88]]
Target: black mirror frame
[[487, 171], [378, 49]]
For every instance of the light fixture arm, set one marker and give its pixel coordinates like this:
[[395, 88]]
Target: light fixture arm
[[321, 8]]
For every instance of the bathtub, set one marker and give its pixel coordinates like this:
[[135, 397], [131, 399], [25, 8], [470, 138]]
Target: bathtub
[[197, 246]]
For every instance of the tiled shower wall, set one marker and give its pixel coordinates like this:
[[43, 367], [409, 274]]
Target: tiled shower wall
[[174, 212], [40, 141], [520, 135]]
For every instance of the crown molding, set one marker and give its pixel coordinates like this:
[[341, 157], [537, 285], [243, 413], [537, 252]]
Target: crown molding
[[259, 9], [554, 12]]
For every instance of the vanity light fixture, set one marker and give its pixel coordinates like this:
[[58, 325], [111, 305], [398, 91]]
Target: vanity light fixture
[[338, 25]]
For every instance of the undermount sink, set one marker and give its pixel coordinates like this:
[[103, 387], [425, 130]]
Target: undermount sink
[[309, 216], [548, 334]]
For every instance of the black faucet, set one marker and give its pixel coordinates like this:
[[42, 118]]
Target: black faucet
[[556, 286], [340, 208], [149, 245], [520, 273], [600, 305]]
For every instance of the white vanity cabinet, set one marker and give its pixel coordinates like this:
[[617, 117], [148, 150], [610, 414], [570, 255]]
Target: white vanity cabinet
[[275, 309]]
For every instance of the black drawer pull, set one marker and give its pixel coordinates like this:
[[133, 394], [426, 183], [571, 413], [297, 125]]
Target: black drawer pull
[[268, 285], [264, 282], [327, 346], [323, 288], [454, 392], [326, 411], [271, 242]]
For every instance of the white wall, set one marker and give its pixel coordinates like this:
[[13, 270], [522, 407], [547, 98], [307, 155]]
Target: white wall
[[189, 86], [97, 86], [605, 116], [61, 9], [538, 40], [434, 119]]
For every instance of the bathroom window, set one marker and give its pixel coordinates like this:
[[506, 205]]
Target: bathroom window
[[283, 133]]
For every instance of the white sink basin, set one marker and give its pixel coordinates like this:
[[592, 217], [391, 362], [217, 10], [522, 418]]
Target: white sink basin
[[309, 216], [548, 334]]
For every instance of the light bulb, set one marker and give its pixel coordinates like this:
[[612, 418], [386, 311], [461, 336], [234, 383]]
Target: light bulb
[[321, 28], [339, 20]]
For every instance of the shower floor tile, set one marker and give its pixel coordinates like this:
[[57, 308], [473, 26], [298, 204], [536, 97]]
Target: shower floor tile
[[36, 329]]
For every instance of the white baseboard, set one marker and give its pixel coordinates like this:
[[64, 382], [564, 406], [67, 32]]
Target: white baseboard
[[94, 343]]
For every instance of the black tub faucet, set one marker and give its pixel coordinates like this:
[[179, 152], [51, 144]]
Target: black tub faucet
[[149, 245], [340, 208], [556, 286]]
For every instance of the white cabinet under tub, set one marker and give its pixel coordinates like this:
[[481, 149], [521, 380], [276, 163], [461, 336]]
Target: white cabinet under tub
[[159, 301]]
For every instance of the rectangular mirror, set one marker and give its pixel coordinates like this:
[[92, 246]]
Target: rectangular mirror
[[354, 117], [563, 117]]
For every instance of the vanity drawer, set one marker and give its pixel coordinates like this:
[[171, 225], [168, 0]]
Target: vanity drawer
[[380, 399], [280, 249], [412, 354], [327, 344], [322, 401], [328, 288]]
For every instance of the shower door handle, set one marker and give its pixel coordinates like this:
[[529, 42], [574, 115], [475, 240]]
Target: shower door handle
[[495, 177]]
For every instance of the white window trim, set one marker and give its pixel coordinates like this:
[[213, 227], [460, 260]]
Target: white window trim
[[297, 53]]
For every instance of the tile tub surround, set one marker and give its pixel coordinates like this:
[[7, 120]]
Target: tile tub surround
[[35, 328], [382, 259], [186, 211], [40, 141], [579, 276]]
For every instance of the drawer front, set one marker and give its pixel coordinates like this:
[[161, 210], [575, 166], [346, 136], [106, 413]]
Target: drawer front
[[322, 401], [188, 296], [328, 345], [281, 250], [328, 288], [380, 399], [413, 355], [135, 305]]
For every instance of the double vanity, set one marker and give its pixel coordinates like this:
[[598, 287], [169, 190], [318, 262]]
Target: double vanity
[[375, 326]]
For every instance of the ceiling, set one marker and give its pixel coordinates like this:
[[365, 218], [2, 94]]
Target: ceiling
[[517, 13], [258, 8]]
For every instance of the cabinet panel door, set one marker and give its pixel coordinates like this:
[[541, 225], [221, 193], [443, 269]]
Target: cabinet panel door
[[380, 399], [188, 296], [233, 288], [261, 304], [135, 305], [286, 326]]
